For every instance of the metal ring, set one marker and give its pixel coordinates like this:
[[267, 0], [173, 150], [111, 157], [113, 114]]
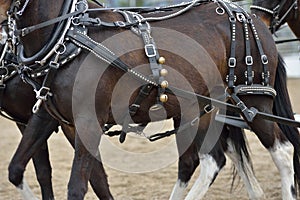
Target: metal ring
[[75, 23], [220, 11], [81, 2], [57, 47]]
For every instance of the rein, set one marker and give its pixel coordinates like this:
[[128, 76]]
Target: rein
[[288, 40]]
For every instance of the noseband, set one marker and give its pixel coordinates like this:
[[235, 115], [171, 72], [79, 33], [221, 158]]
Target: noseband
[[275, 12]]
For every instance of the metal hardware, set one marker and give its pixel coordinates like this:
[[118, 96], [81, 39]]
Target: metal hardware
[[120, 24], [232, 62], [194, 121], [240, 17], [209, 108], [220, 11], [264, 59], [150, 50], [43, 93], [249, 60]]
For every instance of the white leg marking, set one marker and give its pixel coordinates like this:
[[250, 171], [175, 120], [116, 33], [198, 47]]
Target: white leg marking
[[282, 155], [178, 190], [245, 172], [208, 170], [26, 192]]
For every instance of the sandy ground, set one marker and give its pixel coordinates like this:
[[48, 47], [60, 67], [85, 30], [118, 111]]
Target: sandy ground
[[156, 185]]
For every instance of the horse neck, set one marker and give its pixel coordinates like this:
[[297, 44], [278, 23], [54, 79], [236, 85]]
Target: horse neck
[[35, 13]]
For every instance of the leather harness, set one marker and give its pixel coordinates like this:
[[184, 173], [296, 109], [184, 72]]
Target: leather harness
[[74, 38]]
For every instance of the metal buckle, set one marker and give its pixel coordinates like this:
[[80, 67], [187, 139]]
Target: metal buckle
[[209, 108], [54, 64], [150, 50], [39, 94], [232, 62], [249, 60], [240, 17], [264, 59], [232, 19], [120, 23]]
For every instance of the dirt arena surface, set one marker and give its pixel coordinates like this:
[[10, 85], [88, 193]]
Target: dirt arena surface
[[155, 185]]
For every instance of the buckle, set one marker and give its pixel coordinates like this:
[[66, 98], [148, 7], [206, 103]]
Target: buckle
[[249, 60], [240, 17], [209, 108], [264, 59], [150, 50], [120, 23], [232, 62], [43, 93], [54, 64]]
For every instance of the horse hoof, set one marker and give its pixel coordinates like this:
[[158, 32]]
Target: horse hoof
[[15, 175], [122, 137]]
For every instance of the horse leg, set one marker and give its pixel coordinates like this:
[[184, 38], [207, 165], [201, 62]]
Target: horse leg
[[98, 178], [275, 140], [86, 153], [38, 129], [281, 151], [210, 166], [236, 150], [211, 162], [42, 168], [25, 191], [187, 164]]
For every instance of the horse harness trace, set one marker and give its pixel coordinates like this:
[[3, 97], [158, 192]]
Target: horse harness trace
[[73, 38]]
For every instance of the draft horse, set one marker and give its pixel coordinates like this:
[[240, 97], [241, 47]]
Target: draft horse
[[204, 21], [17, 100], [13, 96]]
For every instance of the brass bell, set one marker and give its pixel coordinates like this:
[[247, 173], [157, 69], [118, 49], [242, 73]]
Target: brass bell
[[163, 98], [164, 84], [163, 72], [161, 60]]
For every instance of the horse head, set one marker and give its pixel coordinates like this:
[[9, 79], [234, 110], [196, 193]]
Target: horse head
[[275, 13]]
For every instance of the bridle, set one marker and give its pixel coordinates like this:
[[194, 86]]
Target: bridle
[[277, 20]]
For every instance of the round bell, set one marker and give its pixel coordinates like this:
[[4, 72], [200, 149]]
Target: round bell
[[161, 60], [163, 72], [163, 98], [164, 84]]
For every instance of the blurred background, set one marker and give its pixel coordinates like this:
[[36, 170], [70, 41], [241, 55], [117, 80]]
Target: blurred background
[[289, 50]]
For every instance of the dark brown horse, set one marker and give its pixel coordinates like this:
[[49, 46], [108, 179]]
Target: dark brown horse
[[207, 28], [15, 92], [276, 13], [235, 148], [17, 100]]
